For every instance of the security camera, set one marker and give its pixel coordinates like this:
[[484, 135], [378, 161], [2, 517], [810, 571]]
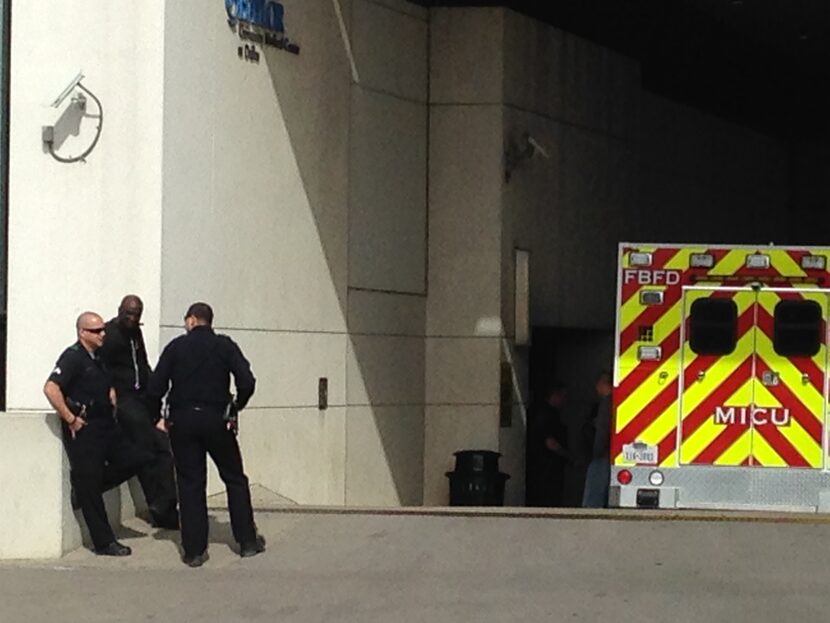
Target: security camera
[[537, 148], [76, 81]]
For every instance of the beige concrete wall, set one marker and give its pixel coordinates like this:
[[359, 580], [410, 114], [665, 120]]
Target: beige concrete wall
[[616, 162], [621, 164], [387, 254], [811, 194], [580, 102], [715, 172], [310, 265], [80, 235], [464, 304], [255, 215]]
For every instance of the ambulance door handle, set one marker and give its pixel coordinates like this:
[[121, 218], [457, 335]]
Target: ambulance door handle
[[805, 378], [701, 375]]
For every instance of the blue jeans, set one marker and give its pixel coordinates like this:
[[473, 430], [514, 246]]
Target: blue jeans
[[596, 483]]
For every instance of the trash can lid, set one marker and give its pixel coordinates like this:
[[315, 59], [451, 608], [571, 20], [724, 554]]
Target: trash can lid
[[481, 452]]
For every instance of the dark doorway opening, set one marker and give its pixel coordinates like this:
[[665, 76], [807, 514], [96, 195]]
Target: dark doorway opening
[[574, 358]]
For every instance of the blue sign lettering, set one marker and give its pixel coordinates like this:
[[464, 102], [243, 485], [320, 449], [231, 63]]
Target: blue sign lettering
[[266, 14]]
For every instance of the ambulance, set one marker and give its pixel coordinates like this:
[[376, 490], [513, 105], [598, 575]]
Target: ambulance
[[720, 378]]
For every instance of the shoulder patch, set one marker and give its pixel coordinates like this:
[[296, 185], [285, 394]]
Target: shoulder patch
[[57, 370]]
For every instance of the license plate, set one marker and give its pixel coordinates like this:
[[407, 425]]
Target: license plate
[[640, 453]]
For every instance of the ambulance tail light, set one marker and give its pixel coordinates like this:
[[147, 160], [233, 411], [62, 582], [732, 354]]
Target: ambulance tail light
[[757, 260], [649, 353], [814, 262], [639, 259], [701, 260], [624, 477]]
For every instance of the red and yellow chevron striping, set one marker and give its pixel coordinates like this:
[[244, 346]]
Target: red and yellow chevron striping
[[748, 405]]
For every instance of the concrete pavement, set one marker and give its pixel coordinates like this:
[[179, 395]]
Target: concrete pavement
[[409, 566]]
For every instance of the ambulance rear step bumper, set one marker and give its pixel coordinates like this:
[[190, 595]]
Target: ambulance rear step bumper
[[724, 488]]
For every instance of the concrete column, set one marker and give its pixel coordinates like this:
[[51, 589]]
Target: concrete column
[[464, 302]]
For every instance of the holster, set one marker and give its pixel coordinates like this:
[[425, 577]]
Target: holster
[[78, 409], [231, 415]]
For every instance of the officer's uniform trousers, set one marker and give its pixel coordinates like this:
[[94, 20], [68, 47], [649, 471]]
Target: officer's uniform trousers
[[156, 478], [194, 433], [101, 457]]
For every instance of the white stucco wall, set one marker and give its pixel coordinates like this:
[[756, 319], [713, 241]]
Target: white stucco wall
[[80, 235]]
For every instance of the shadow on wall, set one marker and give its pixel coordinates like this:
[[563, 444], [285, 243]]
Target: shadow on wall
[[325, 180]]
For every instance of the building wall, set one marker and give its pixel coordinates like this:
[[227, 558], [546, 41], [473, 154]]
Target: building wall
[[255, 206], [617, 163], [808, 218], [464, 330], [703, 179], [306, 208], [347, 213], [80, 235], [387, 254]]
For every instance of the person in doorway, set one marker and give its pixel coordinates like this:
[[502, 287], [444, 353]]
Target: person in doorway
[[124, 354], [598, 439], [194, 373], [80, 390], [547, 448]]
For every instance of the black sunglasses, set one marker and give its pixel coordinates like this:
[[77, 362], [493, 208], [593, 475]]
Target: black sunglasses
[[95, 330]]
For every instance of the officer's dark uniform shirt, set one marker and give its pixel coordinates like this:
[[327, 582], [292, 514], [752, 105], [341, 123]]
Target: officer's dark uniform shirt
[[83, 378], [126, 357], [198, 364]]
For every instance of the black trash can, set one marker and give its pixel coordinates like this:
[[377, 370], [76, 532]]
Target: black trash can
[[476, 480]]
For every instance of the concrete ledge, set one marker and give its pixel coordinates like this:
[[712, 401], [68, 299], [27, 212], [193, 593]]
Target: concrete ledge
[[558, 513], [37, 516], [34, 472]]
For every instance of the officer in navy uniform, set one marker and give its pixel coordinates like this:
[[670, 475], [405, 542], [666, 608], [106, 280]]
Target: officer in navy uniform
[[196, 369], [80, 390], [125, 356]]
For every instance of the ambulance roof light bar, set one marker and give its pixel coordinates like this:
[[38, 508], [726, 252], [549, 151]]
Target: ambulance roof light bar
[[757, 260], [701, 260], [814, 262], [638, 258]]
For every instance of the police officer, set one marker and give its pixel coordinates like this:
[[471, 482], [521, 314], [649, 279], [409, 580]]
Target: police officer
[[124, 354], [80, 390], [196, 368]]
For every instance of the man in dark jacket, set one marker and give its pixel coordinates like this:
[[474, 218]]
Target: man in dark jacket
[[125, 356], [194, 372], [547, 453], [598, 439]]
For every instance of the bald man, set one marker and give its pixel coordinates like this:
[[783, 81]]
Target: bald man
[[81, 392], [125, 356]]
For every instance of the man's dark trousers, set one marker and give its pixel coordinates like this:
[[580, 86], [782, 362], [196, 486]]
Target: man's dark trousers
[[156, 478], [101, 457], [194, 433]]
